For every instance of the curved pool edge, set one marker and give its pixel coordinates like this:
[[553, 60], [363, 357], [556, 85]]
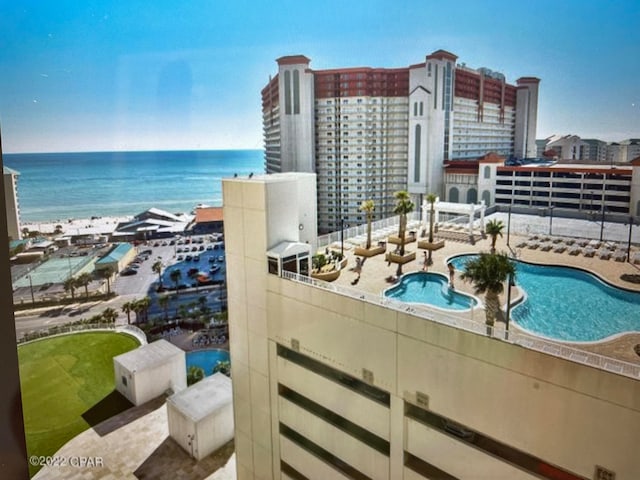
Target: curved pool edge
[[479, 303], [523, 297]]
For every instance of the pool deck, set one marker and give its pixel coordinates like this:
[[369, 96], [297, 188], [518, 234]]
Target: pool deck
[[376, 270]]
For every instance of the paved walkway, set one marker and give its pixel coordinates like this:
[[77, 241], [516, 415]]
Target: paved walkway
[[136, 445]]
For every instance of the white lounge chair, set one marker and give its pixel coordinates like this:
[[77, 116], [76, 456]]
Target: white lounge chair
[[589, 252], [545, 247], [575, 250], [604, 254], [559, 248], [619, 255]]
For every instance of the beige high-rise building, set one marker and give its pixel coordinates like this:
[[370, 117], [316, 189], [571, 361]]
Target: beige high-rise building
[[336, 383]]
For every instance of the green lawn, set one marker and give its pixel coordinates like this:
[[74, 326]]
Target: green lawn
[[62, 378]]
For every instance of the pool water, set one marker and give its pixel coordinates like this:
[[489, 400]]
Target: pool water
[[206, 359], [569, 304], [432, 289]]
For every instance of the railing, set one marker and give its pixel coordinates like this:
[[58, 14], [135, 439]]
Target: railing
[[532, 342], [68, 329], [413, 219]]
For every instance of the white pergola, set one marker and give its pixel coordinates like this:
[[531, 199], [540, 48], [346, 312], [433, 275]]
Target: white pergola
[[469, 209]]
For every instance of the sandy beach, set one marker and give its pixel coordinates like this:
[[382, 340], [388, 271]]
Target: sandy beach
[[100, 225]]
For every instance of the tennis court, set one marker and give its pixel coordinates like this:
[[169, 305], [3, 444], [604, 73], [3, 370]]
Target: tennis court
[[55, 270]]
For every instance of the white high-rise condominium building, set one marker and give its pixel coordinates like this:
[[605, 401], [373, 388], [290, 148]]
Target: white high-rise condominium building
[[369, 132]]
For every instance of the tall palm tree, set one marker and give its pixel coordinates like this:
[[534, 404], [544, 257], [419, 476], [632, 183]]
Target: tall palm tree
[[431, 198], [107, 273], [128, 308], [404, 205], [84, 279], [493, 229], [109, 315], [157, 268], [137, 307], [368, 207], [175, 276], [487, 273], [70, 285], [163, 301], [145, 303]]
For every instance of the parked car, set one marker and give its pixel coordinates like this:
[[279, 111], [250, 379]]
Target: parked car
[[180, 258], [128, 271]]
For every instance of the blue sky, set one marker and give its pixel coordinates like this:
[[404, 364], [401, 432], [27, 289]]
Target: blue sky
[[126, 75]]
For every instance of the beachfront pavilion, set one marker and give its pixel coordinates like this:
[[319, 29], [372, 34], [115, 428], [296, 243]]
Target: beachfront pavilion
[[462, 210]]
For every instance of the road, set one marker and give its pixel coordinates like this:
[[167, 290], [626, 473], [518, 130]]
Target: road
[[128, 288]]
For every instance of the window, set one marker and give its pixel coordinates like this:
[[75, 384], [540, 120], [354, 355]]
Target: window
[[287, 92], [296, 92], [416, 158], [487, 172], [124, 380]]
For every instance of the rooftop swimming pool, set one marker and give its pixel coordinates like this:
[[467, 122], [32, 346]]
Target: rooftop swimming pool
[[570, 304], [432, 289], [206, 359]]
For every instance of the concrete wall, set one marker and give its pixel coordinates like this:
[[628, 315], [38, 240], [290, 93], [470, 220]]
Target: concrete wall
[[566, 414]]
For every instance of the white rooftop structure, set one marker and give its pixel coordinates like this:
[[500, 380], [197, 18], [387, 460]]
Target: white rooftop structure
[[204, 397], [149, 371], [200, 418]]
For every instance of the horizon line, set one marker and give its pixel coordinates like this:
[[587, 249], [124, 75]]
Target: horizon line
[[140, 150]]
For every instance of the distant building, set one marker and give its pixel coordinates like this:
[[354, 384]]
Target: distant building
[[207, 220], [369, 132], [11, 205], [117, 258], [572, 147], [624, 151], [152, 223]]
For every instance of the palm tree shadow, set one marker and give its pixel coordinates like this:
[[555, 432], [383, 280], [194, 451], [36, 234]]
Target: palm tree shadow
[[115, 411]]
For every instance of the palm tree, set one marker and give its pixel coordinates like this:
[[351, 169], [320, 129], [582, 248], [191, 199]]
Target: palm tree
[[137, 307], [109, 315], [194, 374], [145, 303], [493, 229], [175, 276], [368, 207], [431, 198], [107, 273], [157, 268], [84, 279], [487, 273], [163, 301], [404, 205], [128, 308], [70, 285]]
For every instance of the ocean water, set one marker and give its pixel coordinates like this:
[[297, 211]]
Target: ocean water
[[57, 186]]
